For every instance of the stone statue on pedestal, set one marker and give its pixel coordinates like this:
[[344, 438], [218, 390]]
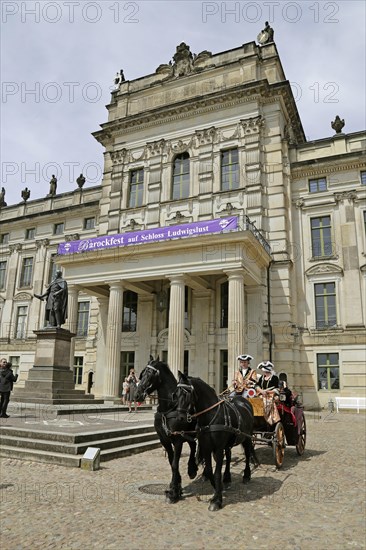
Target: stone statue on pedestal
[[338, 124], [2, 197], [53, 185], [25, 194], [57, 297]]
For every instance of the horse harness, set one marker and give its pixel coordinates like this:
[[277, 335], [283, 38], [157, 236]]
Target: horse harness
[[240, 435]]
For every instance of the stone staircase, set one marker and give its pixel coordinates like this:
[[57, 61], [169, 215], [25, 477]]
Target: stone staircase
[[67, 449]]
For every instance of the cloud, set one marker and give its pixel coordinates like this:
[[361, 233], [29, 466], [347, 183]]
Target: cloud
[[71, 52]]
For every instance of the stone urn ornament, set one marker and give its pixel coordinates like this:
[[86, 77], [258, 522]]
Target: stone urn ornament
[[338, 124], [80, 181]]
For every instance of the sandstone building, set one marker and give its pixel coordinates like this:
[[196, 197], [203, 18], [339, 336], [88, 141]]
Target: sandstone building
[[217, 230]]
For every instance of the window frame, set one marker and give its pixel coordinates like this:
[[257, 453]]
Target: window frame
[[129, 325], [136, 188], [23, 334], [56, 231], [3, 274], [4, 238], [82, 324], [182, 178], [30, 233], [28, 282], [317, 180], [322, 240], [86, 224], [327, 366], [231, 172], [363, 177], [326, 296], [78, 370]]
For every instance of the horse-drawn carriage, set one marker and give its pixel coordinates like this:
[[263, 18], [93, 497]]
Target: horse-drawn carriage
[[279, 421]]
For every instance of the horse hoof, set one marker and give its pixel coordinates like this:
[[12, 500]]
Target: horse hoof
[[214, 506], [192, 474], [226, 480]]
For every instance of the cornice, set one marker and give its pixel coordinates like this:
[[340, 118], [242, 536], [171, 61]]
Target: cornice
[[254, 91], [325, 166]]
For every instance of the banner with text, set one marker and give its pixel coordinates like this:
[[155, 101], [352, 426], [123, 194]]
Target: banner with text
[[150, 235]]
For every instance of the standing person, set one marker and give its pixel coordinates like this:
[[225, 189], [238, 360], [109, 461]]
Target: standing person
[[125, 390], [7, 379], [245, 377], [132, 388], [269, 379]]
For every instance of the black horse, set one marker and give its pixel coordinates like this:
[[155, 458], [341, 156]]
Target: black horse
[[157, 376], [221, 424]]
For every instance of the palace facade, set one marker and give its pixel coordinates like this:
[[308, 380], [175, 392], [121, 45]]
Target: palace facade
[[218, 229]]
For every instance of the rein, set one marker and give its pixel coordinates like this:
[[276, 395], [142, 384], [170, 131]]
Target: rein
[[205, 410]]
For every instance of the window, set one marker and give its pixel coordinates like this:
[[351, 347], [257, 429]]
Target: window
[[318, 184], [363, 177], [229, 170], [127, 363], [224, 304], [4, 238], [181, 177], [83, 319], [325, 305], [89, 223], [129, 319], [30, 233], [78, 370], [328, 371], [223, 369], [321, 236], [58, 228], [21, 321], [136, 188], [2, 274], [15, 363], [27, 272]]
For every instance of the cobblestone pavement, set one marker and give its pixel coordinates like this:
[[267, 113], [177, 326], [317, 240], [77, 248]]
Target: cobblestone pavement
[[313, 502]]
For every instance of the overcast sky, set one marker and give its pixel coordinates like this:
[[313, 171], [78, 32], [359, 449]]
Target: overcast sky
[[59, 58]]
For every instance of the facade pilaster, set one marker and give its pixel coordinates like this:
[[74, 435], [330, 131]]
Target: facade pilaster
[[236, 320], [113, 340], [176, 324]]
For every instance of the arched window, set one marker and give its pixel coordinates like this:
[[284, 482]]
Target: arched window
[[181, 177]]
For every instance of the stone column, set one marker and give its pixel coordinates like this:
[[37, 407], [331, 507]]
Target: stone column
[[236, 321], [101, 346], [72, 317], [176, 324], [113, 341]]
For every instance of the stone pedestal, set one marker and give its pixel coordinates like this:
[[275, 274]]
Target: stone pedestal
[[51, 380]]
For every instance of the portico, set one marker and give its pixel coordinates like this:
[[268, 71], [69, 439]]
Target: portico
[[200, 264]]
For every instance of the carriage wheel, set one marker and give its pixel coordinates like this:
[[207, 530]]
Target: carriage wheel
[[300, 447], [278, 446]]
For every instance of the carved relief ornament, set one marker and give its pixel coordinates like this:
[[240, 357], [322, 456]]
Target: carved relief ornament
[[345, 195], [22, 297], [156, 147], [206, 136], [119, 157], [321, 269], [252, 125], [15, 247]]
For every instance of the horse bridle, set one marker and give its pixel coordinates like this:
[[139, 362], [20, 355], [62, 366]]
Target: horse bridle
[[154, 371], [188, 388]]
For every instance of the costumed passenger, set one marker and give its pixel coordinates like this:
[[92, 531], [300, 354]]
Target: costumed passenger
[[269, 379], [245, 377]]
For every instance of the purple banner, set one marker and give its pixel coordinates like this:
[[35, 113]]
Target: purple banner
[[150, 235]]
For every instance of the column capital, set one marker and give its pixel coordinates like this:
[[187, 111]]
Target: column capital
[[235, 274], [177, 278], [73, 288], [115, 285]]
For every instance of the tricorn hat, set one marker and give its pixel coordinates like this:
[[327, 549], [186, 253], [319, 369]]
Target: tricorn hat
[[266, 366], [245, 357]]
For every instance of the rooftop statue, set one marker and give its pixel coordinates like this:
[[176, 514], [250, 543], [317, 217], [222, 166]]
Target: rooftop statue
[[266, 35], [2, 197], [56, 304], [80, 181], [338, 124], [25, 194], [53, 185], [118, 79]]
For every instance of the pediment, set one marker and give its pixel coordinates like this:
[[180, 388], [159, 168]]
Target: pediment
[[163, 335], [324, 268], [22, 296]]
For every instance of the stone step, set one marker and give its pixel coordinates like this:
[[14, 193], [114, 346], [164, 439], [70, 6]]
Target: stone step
[[73, 400], [67, 449], [73, 438], [62, 447], [73, 461]]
